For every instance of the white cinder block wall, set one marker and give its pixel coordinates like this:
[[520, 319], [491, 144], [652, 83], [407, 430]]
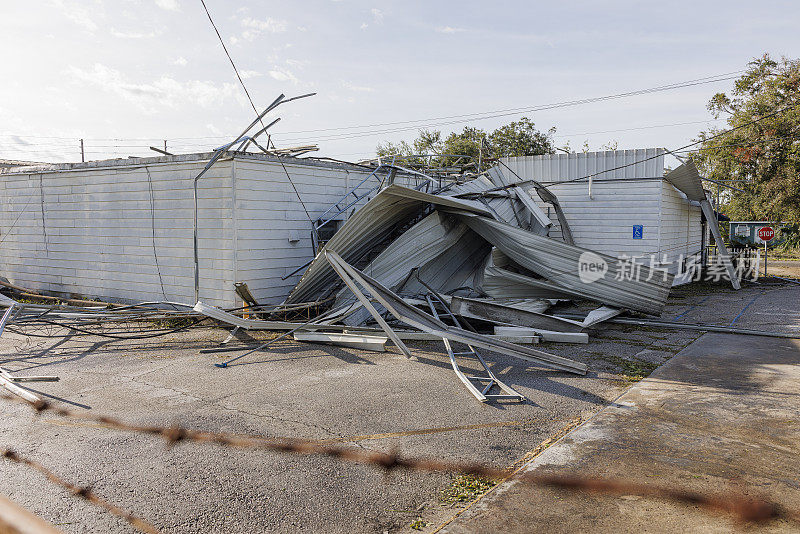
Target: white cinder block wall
[[87, 229], [94, 229], [635, 194], [681, 228]]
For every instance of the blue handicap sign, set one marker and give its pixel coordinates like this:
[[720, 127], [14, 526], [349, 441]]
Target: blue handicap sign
[[638, 231]]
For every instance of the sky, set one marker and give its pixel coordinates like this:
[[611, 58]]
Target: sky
[[127, 74]]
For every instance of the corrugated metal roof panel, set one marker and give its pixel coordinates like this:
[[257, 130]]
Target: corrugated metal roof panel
[[370, 225], [427, 323], [687, 179], [561, 264], [611, 164], [444, 249]]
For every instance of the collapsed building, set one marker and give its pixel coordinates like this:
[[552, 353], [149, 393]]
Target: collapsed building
[[122, 229], [372, 253], [440, 255]]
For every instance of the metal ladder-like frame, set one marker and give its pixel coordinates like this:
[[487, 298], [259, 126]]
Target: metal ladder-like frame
[[345, 203], [485, 383]]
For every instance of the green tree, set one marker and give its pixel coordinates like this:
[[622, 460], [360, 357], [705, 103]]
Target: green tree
[[428, 142], [761, 159], [394, 149], [521, 138], [518, 138], [466, 143]]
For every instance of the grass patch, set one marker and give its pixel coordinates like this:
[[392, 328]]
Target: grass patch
[[633, 370], [418, 524], [174, 322], [625, 341], [465, 488], [674, 349]]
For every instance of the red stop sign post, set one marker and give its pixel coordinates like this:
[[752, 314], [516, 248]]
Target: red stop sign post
[[765, 233]]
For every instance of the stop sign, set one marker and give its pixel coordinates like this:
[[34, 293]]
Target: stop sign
[[766, 233]]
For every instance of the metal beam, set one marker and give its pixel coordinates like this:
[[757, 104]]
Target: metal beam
[[547, 335], [722, 250], [497, 313], [419, 319], [346, 277], [355, 341]]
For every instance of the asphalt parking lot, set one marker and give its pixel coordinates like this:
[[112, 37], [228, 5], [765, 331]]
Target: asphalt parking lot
[[376, 401]]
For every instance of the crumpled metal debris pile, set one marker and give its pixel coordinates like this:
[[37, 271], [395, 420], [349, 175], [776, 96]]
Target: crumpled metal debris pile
[[461, 259]]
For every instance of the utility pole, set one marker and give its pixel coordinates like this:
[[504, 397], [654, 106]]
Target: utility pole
[[165, 145], [83, 158]]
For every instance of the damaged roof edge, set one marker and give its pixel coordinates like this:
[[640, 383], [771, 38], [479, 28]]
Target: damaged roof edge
[[178, 158], [686, 179], [369, 226]]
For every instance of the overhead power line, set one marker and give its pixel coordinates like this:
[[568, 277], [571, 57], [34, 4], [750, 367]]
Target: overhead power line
[[174, 142], [750, 144], [241, 81], [519, 111], [431, 121], [225, 48], [695, 143], [651, 127]]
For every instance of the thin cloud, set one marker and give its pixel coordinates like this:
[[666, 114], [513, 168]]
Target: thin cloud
[[377, 18], [297, 63], [20, 141], [168, 5], [77, 14], [255, 27], [164, 92], [180, 61], [268, 24], [283, 76], [449, 29], [131, 35], [357, 88]]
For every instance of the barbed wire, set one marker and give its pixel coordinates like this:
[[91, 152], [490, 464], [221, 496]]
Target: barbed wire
[[744, 508], [81, 492]]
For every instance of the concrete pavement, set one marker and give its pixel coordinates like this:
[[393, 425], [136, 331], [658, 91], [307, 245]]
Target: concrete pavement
[[723, 414], [377, 401]]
